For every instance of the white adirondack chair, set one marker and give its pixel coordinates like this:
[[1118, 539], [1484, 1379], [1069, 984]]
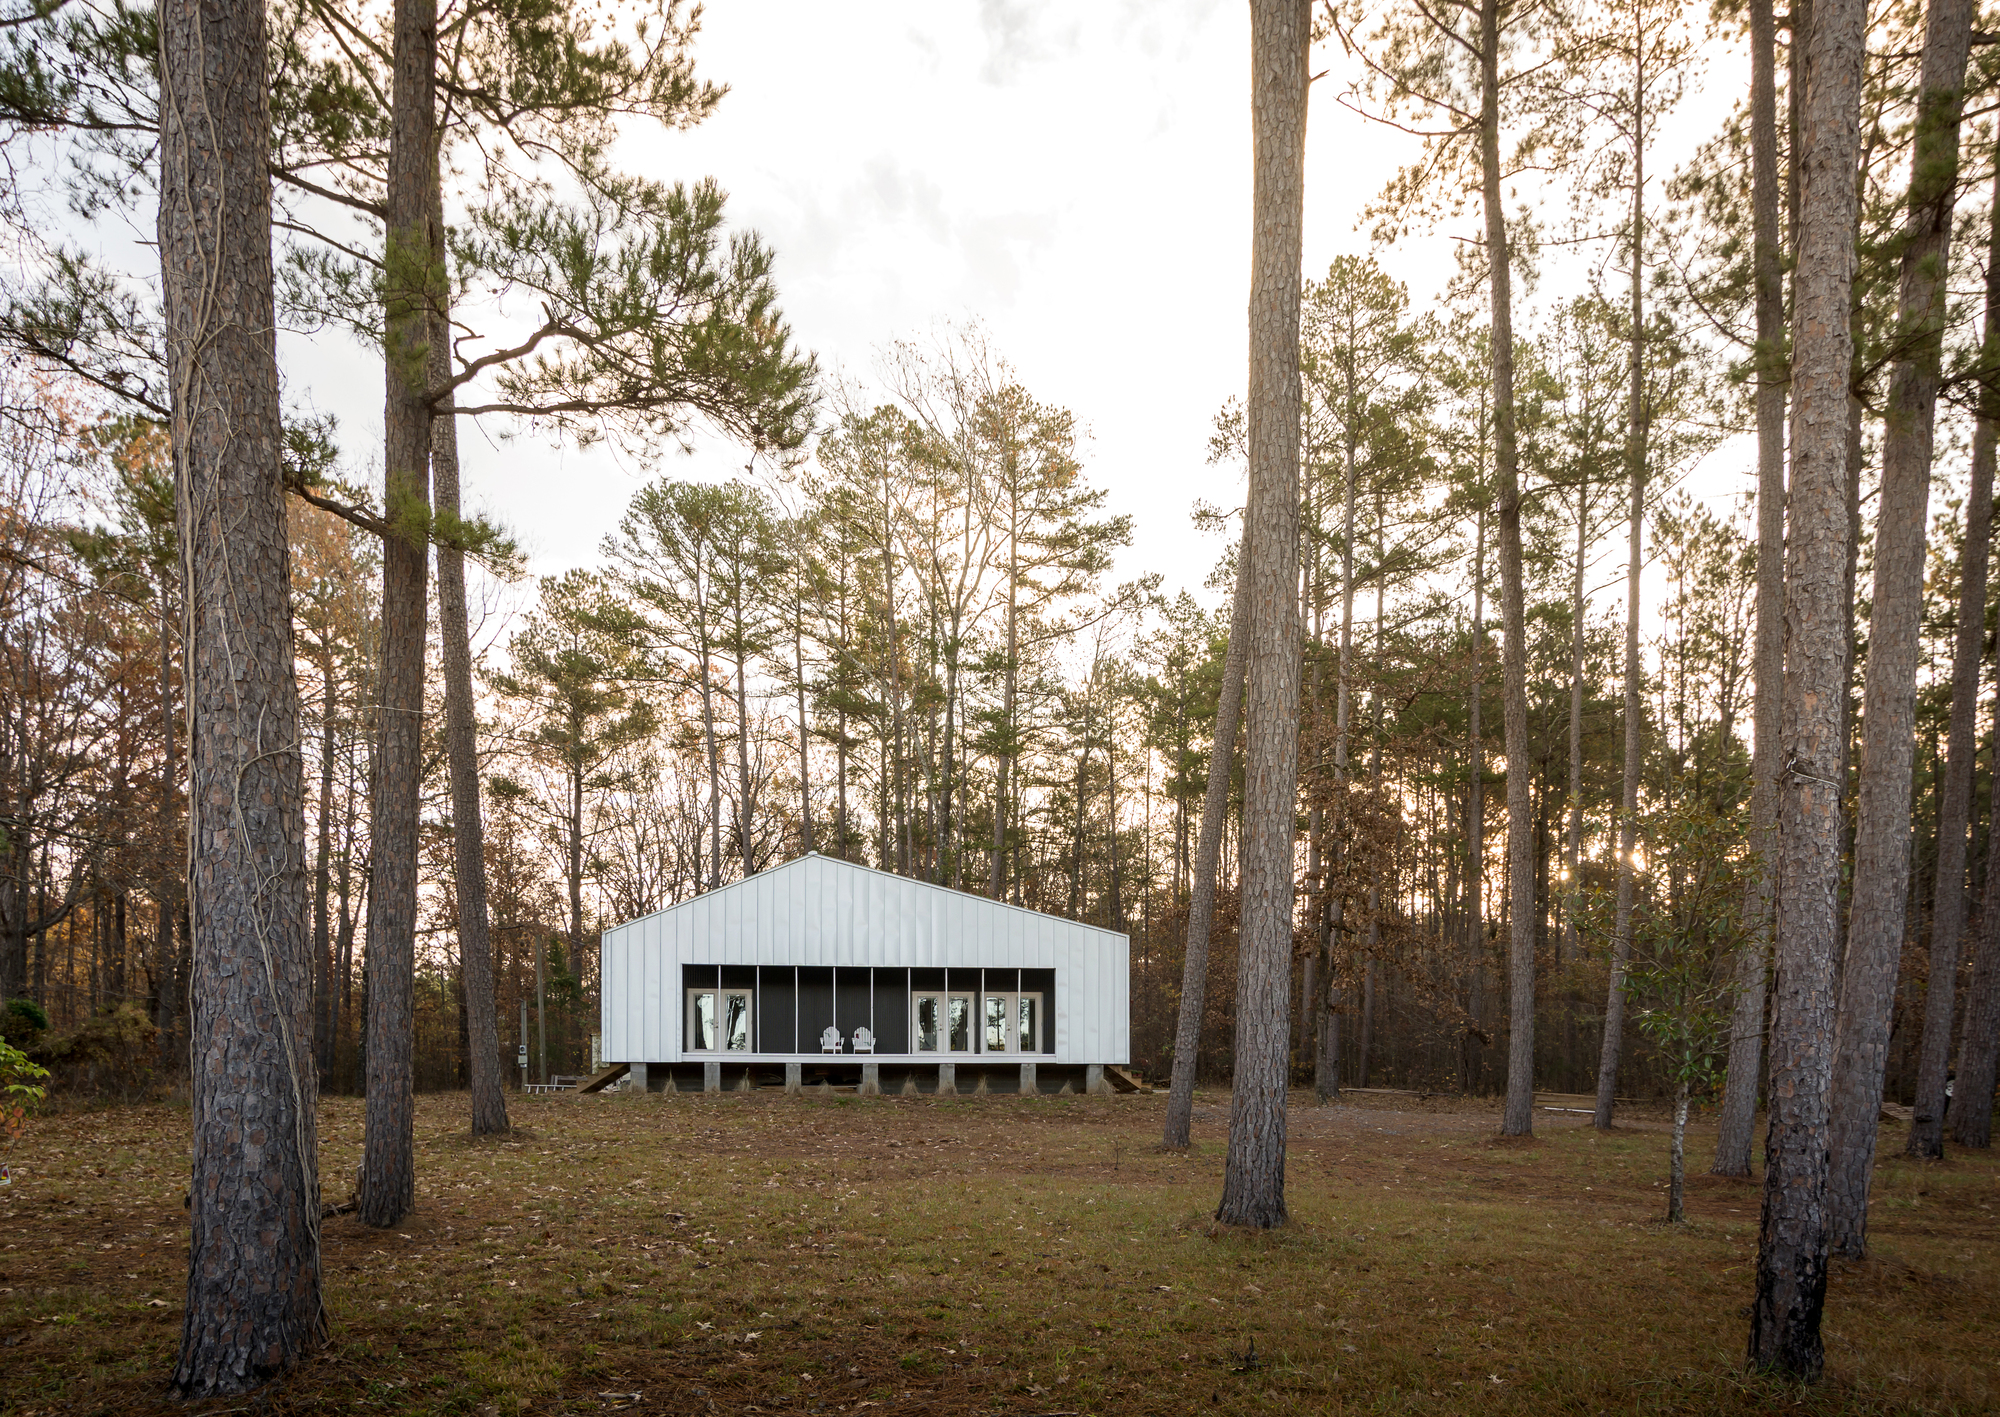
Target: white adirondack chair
[[864, 1040], [829, 1040]]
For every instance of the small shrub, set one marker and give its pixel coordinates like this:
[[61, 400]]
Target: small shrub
[[23, 1022], [20, 1090], [112, 1052]]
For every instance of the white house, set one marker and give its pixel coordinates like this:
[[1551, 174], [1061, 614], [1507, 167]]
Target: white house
[[822, 969]]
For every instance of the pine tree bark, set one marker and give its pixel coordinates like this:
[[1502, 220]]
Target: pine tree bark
[[1738, 1118], [1955, 805], [1793, 1236], [1253, 1185], [253, 1291], [1208, 847], [1518, 1120], [468, 836], [1881, 886], [388, 1186]]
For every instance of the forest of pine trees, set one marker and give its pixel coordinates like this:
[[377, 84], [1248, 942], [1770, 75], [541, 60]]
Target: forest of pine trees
[[906, 644], [1597, 773]]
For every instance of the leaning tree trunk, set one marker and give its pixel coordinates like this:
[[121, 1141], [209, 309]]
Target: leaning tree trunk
[[388, 1188], [468, 835], [253, 1289], [1518, 1120], [1746, 1030], [1201, 898], [1881, 885], [1792, 1242], [1253, 1184]]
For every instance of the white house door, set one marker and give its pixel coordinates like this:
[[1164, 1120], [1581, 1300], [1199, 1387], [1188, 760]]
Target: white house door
[[941, 1023], [1011, 1023], [719, 1020]]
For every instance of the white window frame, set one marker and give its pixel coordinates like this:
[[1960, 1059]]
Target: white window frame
[[721, 992], [1012, 1002], [943, 998]]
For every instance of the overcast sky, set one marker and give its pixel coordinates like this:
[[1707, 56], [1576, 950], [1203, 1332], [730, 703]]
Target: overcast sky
[[1074, 174]]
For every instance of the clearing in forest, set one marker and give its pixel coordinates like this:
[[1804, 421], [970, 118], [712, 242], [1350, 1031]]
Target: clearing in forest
[[845, 1255]]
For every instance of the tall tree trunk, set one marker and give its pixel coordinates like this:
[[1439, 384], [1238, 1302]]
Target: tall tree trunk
[[1518, 1120], [389, 1167], [1793, 1238], [708, 736], [840, 743], [1201, 898], [1367, 1030], [167, 894], [253, 1289], [322, 938], [1334, 920], [1635, 471], [1881, 884], [1573, 816], [1979, 1046], [344, 941], [1746, 1029], [1253, 1186], [745, 808], [1475, 809], [1628, 799], [1005, 756], [799, 681], [1971, 1111], [1955, 805], [468, 835]]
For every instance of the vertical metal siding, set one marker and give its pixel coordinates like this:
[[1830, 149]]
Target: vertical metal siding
[[822, 911]]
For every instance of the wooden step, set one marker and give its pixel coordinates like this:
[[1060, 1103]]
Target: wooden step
[[599, 1081], [1119, 1079]]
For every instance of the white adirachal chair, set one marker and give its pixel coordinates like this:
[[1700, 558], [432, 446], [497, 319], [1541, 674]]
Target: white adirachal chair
[[864, 1040], [829, 1040]]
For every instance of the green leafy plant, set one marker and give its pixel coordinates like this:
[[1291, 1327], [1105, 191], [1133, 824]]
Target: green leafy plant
[[20, 1089], [1685, 935]]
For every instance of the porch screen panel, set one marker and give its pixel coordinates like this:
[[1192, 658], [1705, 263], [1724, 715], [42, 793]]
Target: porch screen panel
[[850, 1003], [892, 1011], [1043, 982], [777, 1001], [815, 1005]]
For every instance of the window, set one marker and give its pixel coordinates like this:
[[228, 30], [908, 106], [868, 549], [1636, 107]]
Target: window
[[943, 1023], [718, 1020], [1011, 1023]]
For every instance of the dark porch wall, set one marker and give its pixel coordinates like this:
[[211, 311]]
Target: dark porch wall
[[892, 1010], [1043, 982], [777, 1016], [849, 997], [853, 1003], [815, 1005]]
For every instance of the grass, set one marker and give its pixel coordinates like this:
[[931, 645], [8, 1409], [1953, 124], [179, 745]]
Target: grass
[[899, 1255]]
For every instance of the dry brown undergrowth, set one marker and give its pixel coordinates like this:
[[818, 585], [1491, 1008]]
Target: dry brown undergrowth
[[866, 1257]]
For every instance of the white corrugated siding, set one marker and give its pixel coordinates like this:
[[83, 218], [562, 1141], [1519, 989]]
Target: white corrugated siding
[[818, 910]]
